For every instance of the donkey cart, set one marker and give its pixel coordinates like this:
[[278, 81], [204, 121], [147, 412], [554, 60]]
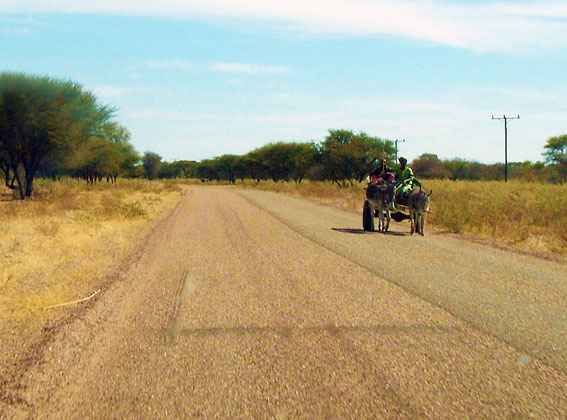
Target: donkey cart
[[378, 205]]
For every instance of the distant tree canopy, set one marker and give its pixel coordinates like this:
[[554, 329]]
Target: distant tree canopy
[[106, 154], [151, 162], [53, 127], [282, 161], [556, 154], [429, 166], [344, 157]]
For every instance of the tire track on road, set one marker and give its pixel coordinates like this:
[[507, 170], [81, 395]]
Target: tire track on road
[[558, 361]]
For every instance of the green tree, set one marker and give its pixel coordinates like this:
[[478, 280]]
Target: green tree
[[303, 157], [556, 154], [6, 170], [96, 159], [39, 117], [276, 158], [254, 166], [463, 169], [336, 157], [185, 168], [129, 158], [429, 166], [151, 162], [227, 166], [345, 156], [125, 157], [368, 152], [166, 170], [208, 170]]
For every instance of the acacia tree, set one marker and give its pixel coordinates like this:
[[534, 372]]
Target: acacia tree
[[151, 162], [346, 156], [184, 168], [428, 165], [95, 159], [303, 157], [6, 170], [125, 156], [280, 160], [254, 166], [40, 116], [367, 151], [556, 154], [227, 167], [208, 170], [336, 159], [106, 154]]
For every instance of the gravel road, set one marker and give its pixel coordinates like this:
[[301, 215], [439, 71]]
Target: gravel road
[[251, 305]]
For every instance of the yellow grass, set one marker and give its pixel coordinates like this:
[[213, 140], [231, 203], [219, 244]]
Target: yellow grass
[[59, 245], [527, 215]]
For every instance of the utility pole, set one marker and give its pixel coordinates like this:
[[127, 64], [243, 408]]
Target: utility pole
[[398, 141], [505, 119]]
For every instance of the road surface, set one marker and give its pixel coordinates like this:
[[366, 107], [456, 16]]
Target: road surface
[[252, 305]]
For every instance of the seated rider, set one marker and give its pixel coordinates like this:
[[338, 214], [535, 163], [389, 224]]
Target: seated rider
[[384, 177], [405, 180], [386, 173], [376, 177]]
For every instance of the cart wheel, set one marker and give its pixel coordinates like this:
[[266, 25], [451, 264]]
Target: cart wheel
[[367, 218]]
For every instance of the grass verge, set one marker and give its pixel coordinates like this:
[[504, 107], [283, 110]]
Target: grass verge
[[58, 246]]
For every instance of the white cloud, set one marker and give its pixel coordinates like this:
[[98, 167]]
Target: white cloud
[[112, 92], [247, 68], [17, 31], [292, 118], [174, 64], [223, 67], [546, 9], [489, 26], [18, 20]]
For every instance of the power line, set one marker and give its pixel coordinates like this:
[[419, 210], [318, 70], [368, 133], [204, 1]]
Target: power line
[[545, 112], [505, 118]]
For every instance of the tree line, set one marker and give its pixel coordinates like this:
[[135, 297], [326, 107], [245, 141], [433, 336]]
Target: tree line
[[344, 157], [52, 128]]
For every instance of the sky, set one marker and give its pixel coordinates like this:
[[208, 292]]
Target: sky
[[196, 79]]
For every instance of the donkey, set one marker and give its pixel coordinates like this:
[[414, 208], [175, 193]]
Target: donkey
[[418, 203], [380, 196]]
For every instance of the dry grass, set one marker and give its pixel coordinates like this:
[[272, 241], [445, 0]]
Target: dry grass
[[58, 246], [528, 215]]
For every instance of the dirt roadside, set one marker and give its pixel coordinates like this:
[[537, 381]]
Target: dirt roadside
[[25, 341]]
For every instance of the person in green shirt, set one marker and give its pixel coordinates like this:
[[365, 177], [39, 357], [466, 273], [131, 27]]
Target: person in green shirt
[[405, 180]]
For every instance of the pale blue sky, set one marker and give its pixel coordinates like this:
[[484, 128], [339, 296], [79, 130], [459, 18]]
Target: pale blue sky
[[196, 79]]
